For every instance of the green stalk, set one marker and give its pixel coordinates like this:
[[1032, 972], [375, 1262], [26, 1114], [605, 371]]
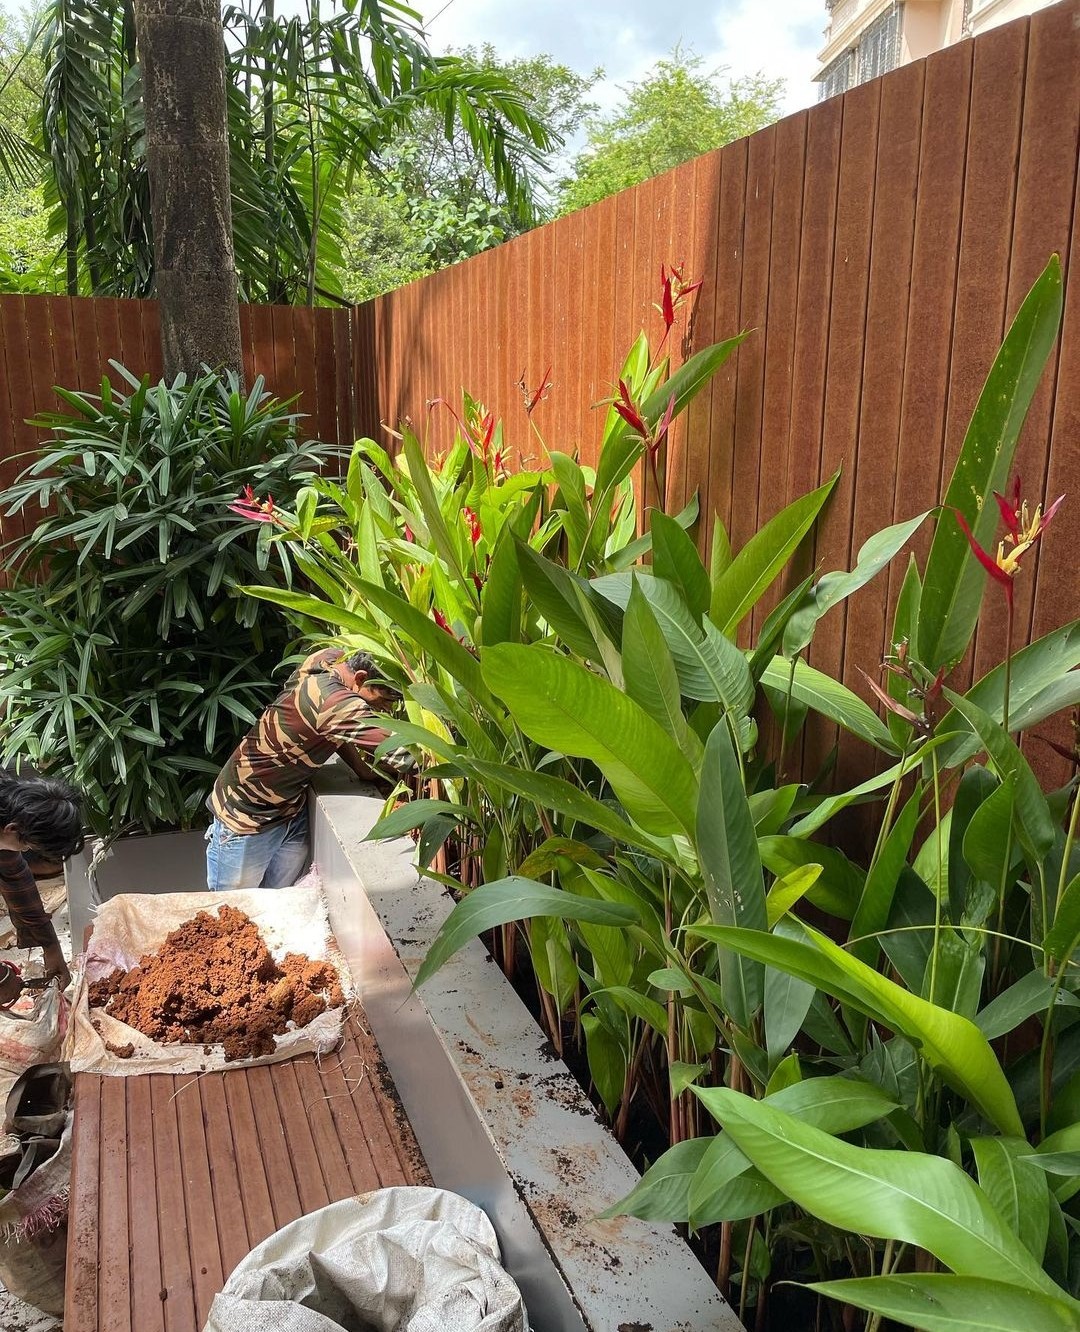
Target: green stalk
[[937, 894], [873, 1322]]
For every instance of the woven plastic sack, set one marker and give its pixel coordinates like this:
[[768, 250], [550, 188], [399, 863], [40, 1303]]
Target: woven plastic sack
[[395, 1260], [33, 1232], [30, 1033]]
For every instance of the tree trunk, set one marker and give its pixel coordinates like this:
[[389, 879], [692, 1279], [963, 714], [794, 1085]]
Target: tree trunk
[[182, 50]]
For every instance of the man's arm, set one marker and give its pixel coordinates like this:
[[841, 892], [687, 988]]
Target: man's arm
[[33, 926]]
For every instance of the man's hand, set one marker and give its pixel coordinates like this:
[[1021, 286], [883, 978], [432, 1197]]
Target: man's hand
[[56, 968]]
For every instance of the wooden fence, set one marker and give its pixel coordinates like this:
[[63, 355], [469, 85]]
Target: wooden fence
[[876, 245]]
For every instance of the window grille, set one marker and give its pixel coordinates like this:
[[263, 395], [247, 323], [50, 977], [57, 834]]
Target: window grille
[[879, 45], [838, 76]]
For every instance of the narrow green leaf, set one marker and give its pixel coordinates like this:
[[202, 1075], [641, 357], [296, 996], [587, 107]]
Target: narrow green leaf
[[830, 698], [941, 1302], [676, 560], [1016, 1189]]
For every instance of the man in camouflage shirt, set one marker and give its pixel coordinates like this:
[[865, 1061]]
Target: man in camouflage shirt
[[259, 837]]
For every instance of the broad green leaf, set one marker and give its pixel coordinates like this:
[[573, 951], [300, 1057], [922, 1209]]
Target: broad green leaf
[[1016, 1189], [941, 1302], [1029, 995], [414, 814], [988, 842], [552, 960], [731, 868], [508, 900], [662, 1192], [563, 706], [501, 598], [1034, 823], [607, 1061], [789, 889], [711, 668], [553, 591], [954, 580], [760, 561], [951, 1044], [829, 697], [649, 673], [420, 475], [839, 883], [549, 792], [901, 1195], [785, 1005], [1063, 939], [976, 784], [829, 591], [676, 560], [571, 481]]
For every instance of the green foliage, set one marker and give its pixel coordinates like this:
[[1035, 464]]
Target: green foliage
[[676, 113], [128, 662], [604, 720]]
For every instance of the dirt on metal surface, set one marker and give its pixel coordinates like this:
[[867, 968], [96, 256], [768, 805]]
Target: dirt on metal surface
[[214, 982]]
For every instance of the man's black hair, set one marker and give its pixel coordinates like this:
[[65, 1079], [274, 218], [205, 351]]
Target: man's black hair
[[45, 814], [363, 661]]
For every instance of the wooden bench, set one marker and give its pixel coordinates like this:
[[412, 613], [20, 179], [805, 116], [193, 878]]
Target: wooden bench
[[175, 1178]]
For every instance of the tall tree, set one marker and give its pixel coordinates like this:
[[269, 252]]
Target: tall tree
[[182, 56], [676, 113]]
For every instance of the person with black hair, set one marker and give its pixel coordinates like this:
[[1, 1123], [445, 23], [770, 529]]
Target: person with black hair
[[259, 837], [41, 815]]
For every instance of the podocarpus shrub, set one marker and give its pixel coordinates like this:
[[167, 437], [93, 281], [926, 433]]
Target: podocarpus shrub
[[125, 659]]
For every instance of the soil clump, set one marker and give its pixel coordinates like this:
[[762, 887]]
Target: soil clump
[[214, 982]]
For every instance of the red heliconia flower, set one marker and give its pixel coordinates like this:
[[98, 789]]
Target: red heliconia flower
[[441, 620], [478, 582], [257, 510], [474, 524], [1023, 530], [534, 397], [674, 292], [624, 405], [409, 535]]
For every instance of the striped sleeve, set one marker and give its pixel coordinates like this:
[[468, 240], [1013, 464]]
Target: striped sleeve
[[345, 719], [33, 926]]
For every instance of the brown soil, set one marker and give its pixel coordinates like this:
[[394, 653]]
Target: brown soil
[[214, 982]]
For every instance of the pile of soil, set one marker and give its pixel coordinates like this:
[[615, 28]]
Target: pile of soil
[[214, 982]]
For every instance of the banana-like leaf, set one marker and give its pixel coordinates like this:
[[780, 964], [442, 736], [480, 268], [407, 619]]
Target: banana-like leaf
[[830, 698], [554, 593], [728, 853], [789, 889], [875, 904], [676, 561], [942, 1302], [563, 706], [650, 676], [661, 1193], [711, 668], [917, 1199], [414, 814], [1034, 823], [839, 883], [951, 1044], [954, 579], [510, 899], [1016, 1188], [829, 591], [738, 590]]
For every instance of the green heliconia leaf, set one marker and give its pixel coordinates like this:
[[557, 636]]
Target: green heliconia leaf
[[420, 475], [571, 481], [649, 673], [988, 841], [900, 1195], [711, 668], [552, 960], [830, 698], [976, 785], [789, 889], [905, 630], [941, 1302], [839, 883], [872, 914], [554, 592], [661, 1193], [510, 899], [1017, 1189], [954, 579], [550, 792], [1034, 823], [565, 707], [1033, 993], [951, 1044], [415, 814], [501, 599], [607, 1061], [829, 591], [676, 560], [1063, 939], [1056, 1163], [752, 571], [728, 853], [785, 1005]]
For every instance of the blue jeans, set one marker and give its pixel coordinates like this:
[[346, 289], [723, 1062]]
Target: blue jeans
[[273, 858]]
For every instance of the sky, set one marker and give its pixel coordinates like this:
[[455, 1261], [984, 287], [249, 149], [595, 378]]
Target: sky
[[779, 38]]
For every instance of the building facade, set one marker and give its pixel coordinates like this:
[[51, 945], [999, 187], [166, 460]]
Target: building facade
[[865, 38]]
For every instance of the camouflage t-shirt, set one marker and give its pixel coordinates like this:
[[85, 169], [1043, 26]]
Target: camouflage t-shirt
[[266, 779]]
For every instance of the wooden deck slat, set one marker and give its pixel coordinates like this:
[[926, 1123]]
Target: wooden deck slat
[[194, 1171]]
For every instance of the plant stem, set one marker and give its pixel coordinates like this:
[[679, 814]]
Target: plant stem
[[745, 1282], [874, 1321], [1008, 662], [784, 723], [937, 894]]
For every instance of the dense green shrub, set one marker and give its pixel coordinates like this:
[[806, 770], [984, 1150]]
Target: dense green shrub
[[127, 662]]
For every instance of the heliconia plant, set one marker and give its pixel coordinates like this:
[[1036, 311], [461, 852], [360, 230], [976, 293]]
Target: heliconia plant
[[867, 1069]]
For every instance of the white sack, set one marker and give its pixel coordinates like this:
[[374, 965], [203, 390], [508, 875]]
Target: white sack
[[30, 1033], [394, 1260], [291, 920]]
